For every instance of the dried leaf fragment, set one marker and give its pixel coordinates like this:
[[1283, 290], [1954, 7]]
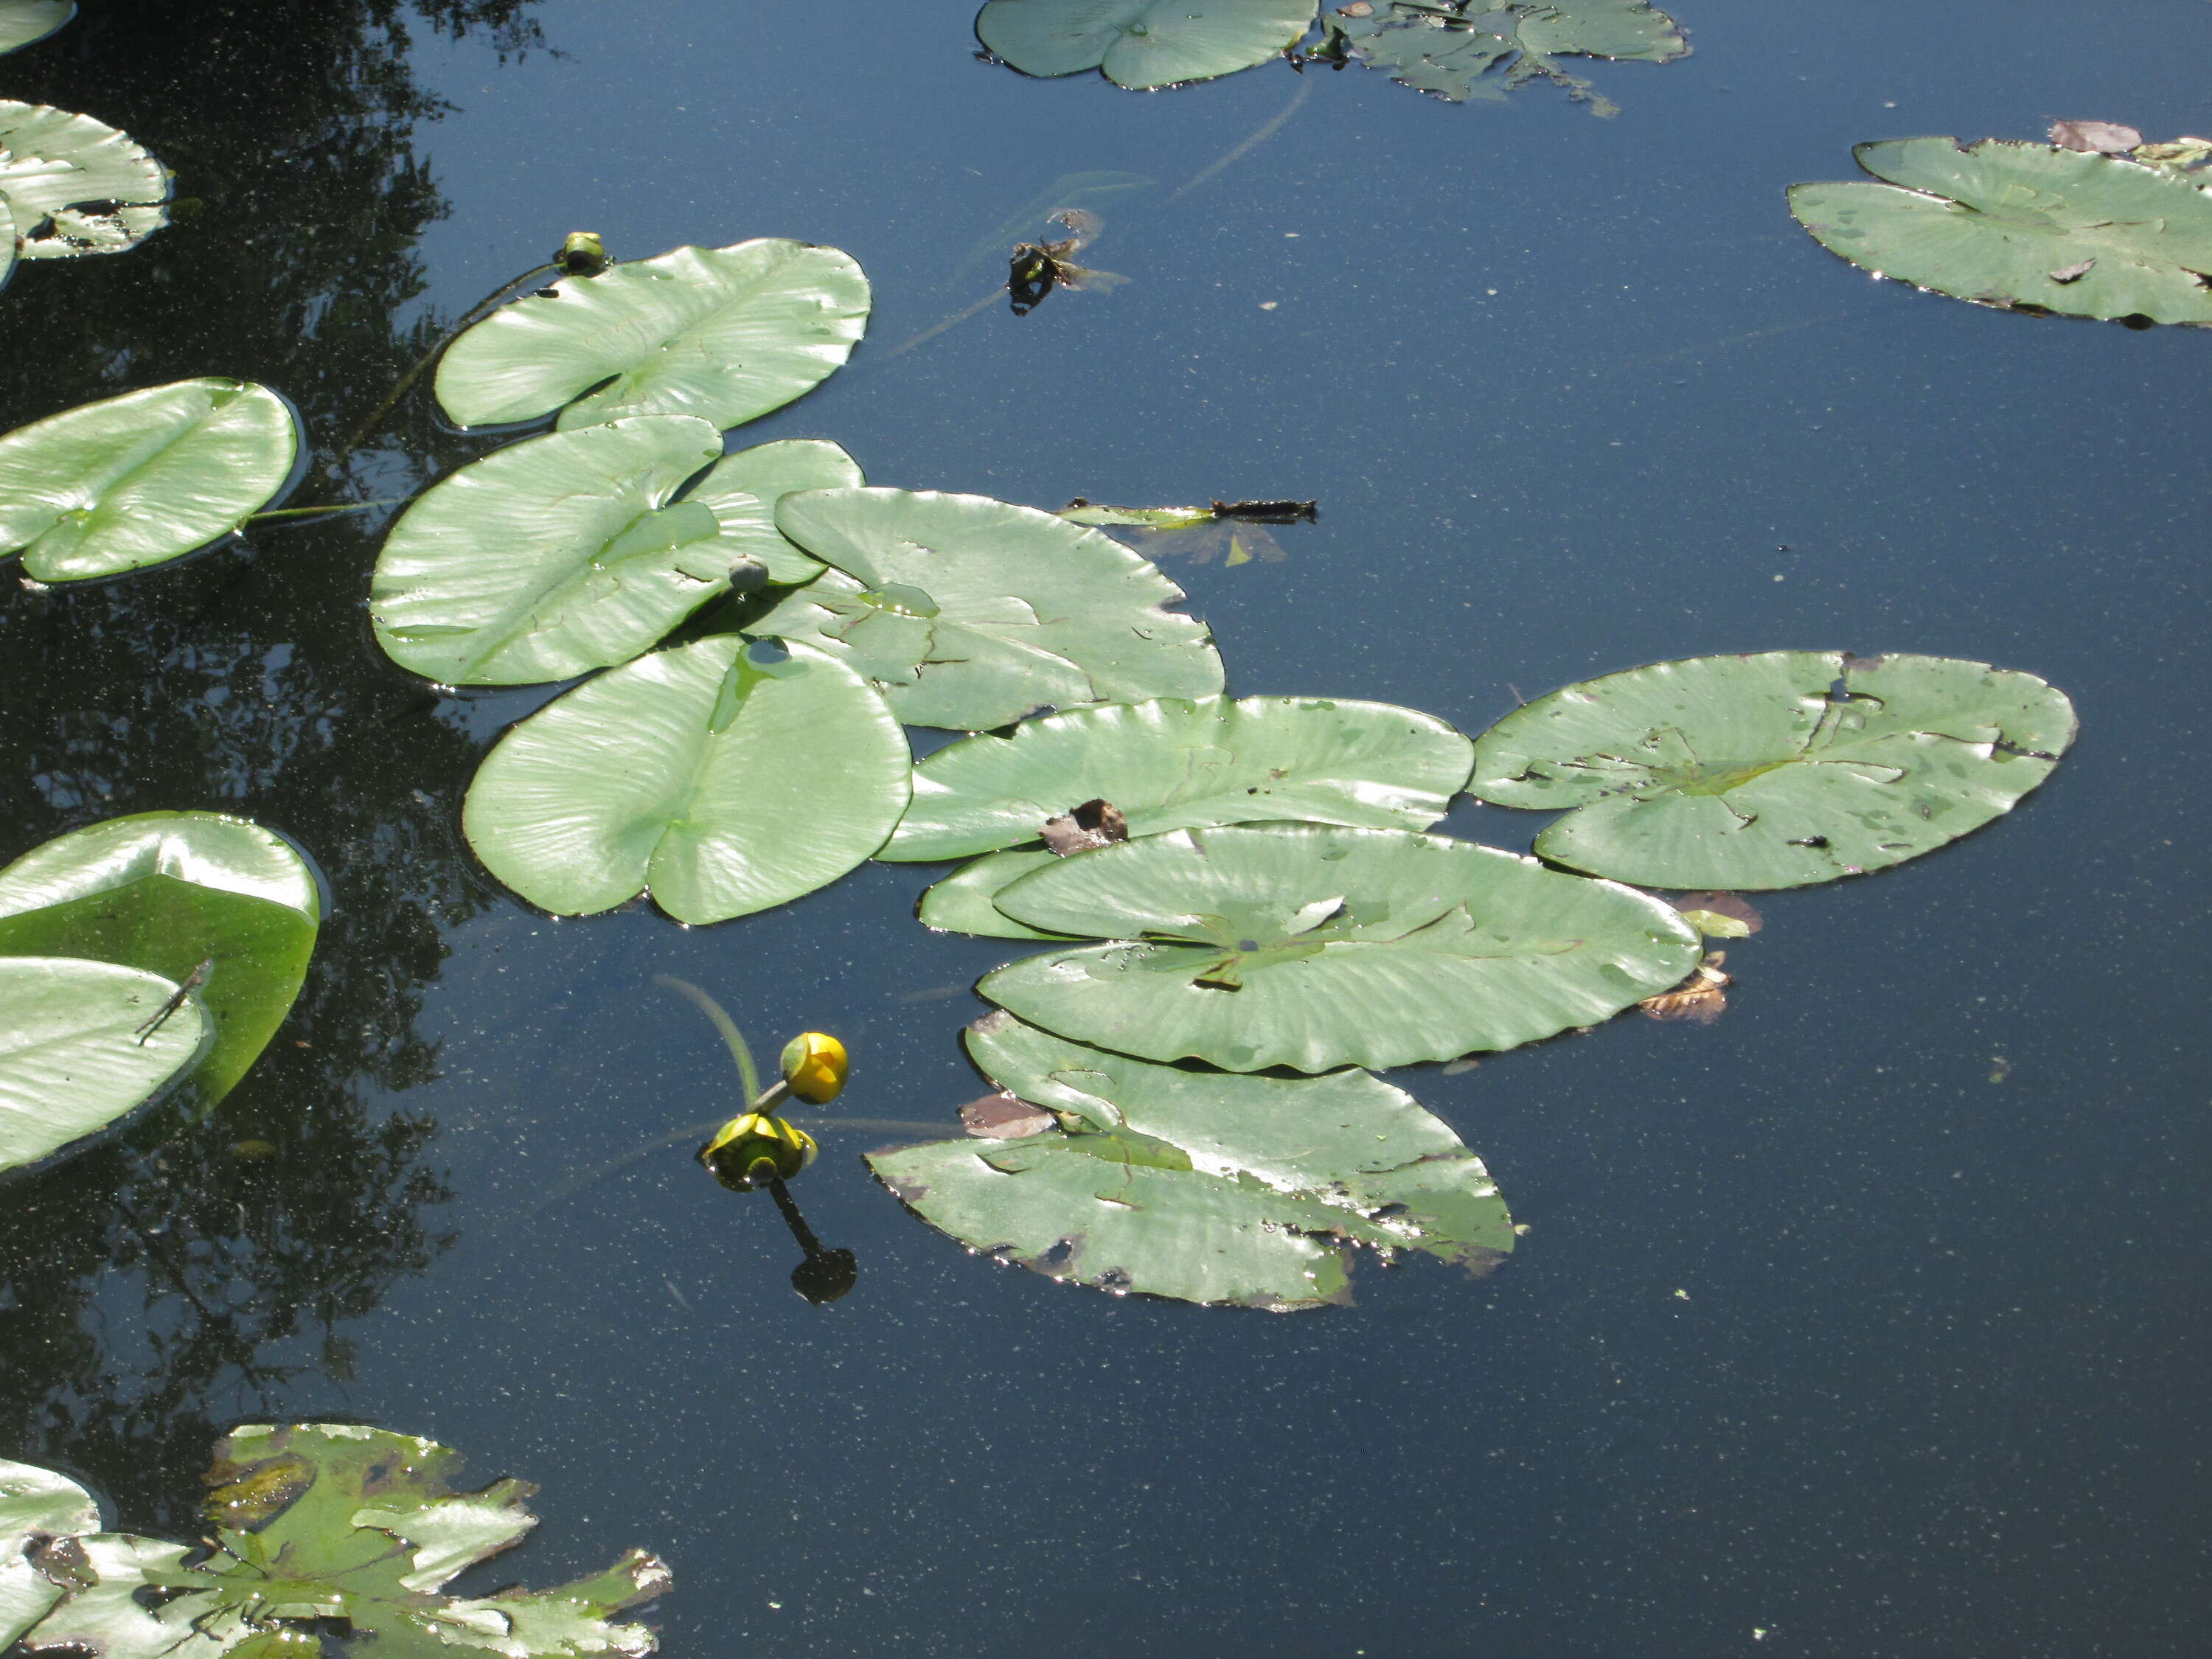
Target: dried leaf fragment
[[1004, 1116], [2098, 138], [1094, 823], [2074, 273], [1703, 997]]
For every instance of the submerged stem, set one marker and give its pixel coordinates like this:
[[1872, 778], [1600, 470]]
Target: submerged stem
[[336, 506], [732, 1038]]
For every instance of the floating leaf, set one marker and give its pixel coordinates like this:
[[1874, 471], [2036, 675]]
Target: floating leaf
[[2023, 225], [35, 1504], [1447, 50], [1140, 43], [1720, 915], [23, 23], [552, 557], [1312, 946], [725, 333], [723, 778], [332, 1522], [963, 902], [1703, 997], [1171, 763], [970, 612], [131, 481], [1775, 771], [2106, 137], [75, 184], [1204, 1186], [73, 1056], [1092, 824], [165, 891], [1005, 1116], [743, 489]]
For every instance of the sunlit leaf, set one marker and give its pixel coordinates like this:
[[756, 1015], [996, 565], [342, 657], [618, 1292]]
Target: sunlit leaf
[[1204, 1186], [35, 1504], [75, 184], [165, 891], [131, 481], [1169, 764], [1775, 771], [2022, 225], [1141, 43], [725, 333], [1312, 946], [332, 1525], [964, 902], [23, 22], [743, 489], [72, 1060], [1449, 51], [720, 777], [552, 557], [970, 612]]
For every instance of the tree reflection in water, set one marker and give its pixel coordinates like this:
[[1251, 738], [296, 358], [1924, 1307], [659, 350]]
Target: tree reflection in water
[[182, 1276]]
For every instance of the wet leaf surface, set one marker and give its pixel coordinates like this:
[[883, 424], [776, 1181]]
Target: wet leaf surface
[[1450, 50], [163, 892], [970, 612], [2022, 225], [73, 185], [132, 481], [1173, 763], [1140, 43], [72, 1060], [1775, 771], [726, 334], [1312, 947], [1200, 1185], [36, 1503], [24, 21], [721, 778]]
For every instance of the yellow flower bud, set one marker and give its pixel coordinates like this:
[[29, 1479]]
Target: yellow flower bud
[[814, 1066], [583, 255], [754, 1147]]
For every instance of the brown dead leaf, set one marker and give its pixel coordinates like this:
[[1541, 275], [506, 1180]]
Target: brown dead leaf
[[2074, 273], [1003, 1116], [1724, 904], [1703, 997], [2098, 137], [1094, 823]]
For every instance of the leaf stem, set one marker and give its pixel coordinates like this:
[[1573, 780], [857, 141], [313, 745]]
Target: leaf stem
[[337, 507], [748, 1073]]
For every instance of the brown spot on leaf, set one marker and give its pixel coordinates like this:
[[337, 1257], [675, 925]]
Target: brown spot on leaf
[[2098, 138], [1004, 1116], [2073, 273], [1094, 823]]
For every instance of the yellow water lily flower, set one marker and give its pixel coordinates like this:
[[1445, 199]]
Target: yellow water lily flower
[[814, 1066], [755, 1147]]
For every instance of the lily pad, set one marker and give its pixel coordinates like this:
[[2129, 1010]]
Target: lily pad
[[72, 1060], [332, 1522], [725, 333], [132, 481], [35, 1504], [1141, 43], [1312, 946], [23, 23], [1171, 763], [965, 901], [165, 891], [970, 612], [1203, 1185], [1447, 51], [743, 489], [722, 777], [76, 185], [1775, 771], [2031, 226], [552, 557]]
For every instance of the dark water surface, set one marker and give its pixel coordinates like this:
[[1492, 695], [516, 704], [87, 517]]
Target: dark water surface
[[1871, 1318]]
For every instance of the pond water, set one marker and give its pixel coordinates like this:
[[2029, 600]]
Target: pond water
[[1868, 1322]]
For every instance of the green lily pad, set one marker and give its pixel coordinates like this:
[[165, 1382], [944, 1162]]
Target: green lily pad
[[132, 481], [965, 902], [743, 489], [71, 1058], [35, 1504], [1141, 43], [552, 557], [332, 1522], [1172, 763], [76, 185], [24, 22], [165, 891], [725, 333], [1204, 1186], [722, 777], [1448, 51], [1312, 946], [1775, 771], [970, 612], [2022, 225]]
